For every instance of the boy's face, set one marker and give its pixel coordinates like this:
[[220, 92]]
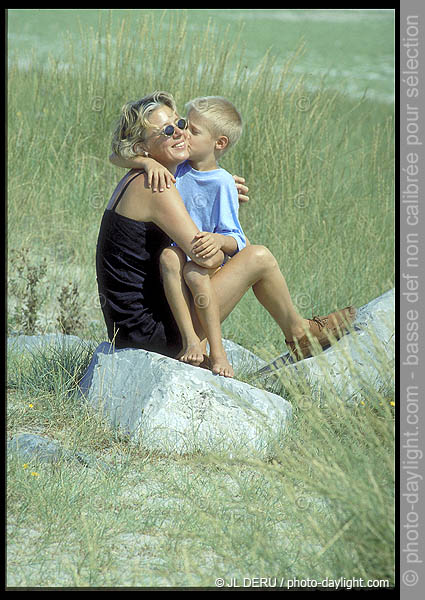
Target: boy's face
[[201, 142]]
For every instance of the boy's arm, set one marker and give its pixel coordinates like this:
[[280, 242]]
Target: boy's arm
[[137, 162], [158, 176]]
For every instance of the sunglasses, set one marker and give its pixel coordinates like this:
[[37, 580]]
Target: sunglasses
[[169, 130]]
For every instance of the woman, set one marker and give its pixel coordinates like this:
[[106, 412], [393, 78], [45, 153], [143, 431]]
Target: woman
[[139, 224]]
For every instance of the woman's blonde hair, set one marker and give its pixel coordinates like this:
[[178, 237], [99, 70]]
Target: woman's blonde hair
[[221, 116], [134, 119]]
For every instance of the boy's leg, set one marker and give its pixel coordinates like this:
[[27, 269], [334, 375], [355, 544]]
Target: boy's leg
[[207, 309], [172, 261]]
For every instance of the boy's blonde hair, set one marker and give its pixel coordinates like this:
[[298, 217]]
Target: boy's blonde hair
[[221, 117], [134, 119]]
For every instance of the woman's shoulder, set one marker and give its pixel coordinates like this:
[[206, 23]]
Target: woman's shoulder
[[136, 185], [130, 179], [139, 186], [134, 196]]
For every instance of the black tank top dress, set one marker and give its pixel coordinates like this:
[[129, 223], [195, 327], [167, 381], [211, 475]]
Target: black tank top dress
[[134, 306]]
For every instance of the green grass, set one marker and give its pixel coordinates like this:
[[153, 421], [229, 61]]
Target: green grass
[[353, 49], [320, 506], [321, 178], [320, 167]]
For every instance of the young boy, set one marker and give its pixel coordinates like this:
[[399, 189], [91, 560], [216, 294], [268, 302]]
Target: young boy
[[211, 198]]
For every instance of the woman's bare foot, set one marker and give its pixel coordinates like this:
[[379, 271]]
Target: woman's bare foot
[[220, 365], [191, 353]]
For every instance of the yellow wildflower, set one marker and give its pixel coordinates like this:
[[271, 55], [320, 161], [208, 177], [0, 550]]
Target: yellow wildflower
[[34, 473]]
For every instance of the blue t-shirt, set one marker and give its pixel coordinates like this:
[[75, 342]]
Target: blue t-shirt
[[211, 199]]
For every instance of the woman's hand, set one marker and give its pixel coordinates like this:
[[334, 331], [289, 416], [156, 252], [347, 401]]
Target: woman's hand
[[242, 189], [207, 244]]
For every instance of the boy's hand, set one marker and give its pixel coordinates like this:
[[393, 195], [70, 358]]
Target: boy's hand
[[158, 176], [242, 189], [206, 244]]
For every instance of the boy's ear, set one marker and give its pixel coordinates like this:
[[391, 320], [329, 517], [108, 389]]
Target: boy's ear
[[222, 142]]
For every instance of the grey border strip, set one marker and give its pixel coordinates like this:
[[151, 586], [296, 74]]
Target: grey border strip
[[412, 299]]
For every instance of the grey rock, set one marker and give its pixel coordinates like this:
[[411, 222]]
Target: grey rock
[[31, 447], [357, 361], [35, 449], [240, 358], [173, 407], [22, 343]]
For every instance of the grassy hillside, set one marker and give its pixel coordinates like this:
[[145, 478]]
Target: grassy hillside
[[320, 167]]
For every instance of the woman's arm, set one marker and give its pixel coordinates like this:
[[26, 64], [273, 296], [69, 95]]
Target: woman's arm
[[207, 244], [168, 212]]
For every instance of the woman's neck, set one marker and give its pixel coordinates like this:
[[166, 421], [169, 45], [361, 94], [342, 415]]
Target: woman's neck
[[172, 167]]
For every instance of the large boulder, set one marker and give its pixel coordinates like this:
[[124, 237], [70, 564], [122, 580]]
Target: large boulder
[[173, 407], [242, 360], [360, 360]]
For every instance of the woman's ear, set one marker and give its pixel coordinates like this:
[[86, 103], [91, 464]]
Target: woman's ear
[[139, 149]]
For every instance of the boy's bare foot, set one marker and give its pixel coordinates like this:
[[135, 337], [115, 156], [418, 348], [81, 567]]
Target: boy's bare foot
[[220, 365], [206, 364], [191, 354]]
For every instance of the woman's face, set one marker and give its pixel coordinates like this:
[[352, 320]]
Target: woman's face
[[167, 150]]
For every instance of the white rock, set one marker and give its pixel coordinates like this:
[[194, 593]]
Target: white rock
[[240, 358], [358, 361], [177, 408]]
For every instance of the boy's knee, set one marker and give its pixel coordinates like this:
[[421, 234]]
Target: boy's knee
[[171, 259], [194, 274]]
